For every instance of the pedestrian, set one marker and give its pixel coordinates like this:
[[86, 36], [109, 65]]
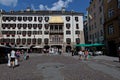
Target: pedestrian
[[86, 54], [18, 55], [9, 58], [80, 53], [12, 58], [119, 53], [72, 51]]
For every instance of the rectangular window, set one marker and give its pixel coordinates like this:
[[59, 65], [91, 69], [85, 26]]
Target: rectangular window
[[110, 13], [110, 29], [118, 3]]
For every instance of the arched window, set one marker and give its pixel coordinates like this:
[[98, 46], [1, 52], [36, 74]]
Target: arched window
[[40, 19], [46, 19], [19, 18], [18, 40], [4, 19], [24, 26], [29, 41], [24, 18], [12, 41], [77, 40], [68, 26], [46, 40], [34, 26], [39, 40], [46, 26], [29, 26], [67, 18], [29, 18], [34, 40], [23, 40], [40, 26]]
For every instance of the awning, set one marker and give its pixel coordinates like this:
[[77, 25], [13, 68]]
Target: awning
[[89, 45], [22, 47], [83, 45], [37, 47], [56, 19]]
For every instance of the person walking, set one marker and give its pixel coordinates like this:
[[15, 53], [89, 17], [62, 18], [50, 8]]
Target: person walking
[[80, 54], [86, 54], [12, 58], [9, 59], [119, 53]]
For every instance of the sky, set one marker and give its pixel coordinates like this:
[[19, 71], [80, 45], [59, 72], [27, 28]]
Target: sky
[[16, 5]]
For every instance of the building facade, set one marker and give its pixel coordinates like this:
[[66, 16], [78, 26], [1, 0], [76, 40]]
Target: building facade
[[112, 25], [95, 22], [61, 29]]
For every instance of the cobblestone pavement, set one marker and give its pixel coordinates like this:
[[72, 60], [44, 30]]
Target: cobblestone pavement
[[52, 67]]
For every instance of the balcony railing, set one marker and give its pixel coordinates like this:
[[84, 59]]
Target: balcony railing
[[56, 31]]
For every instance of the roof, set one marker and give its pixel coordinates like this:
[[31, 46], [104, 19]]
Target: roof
[[42, 12]]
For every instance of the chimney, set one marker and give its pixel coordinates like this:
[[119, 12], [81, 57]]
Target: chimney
[[63, 9]]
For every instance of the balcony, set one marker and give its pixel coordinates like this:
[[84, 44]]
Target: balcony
[[56, 31]]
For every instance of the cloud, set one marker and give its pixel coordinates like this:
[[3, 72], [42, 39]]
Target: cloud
[[56, 6], [9, 2]]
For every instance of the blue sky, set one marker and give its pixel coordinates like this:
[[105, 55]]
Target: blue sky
[[75, 5]]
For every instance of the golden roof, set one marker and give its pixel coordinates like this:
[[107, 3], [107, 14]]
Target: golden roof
[[56, 19]]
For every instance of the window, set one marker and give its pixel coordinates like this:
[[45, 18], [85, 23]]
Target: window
[[77, 40], [19, 26], [110, 13], [46, 40], [46, 26], [68, 32], [76, 19], [12, 41], [19, 18], [24, 26], [34, 32], [40, 26], [35, 18], [29, 41], [39, 40], [40, 32], [77, 32], [110, 29], [77, 26], [29, 33], [19, 32], [3, 26], [68, 40], [67, 18], [23, 33], [118, 3], [34, 26], [24, 40], [46, 19], [40, 19], [24, 18], [29, 26], [29, 18], [46, 32], [68, 26], [4, 18], [34, 40], [18, 40]]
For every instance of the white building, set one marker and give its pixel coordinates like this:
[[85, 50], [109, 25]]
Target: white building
[[61, 29]]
